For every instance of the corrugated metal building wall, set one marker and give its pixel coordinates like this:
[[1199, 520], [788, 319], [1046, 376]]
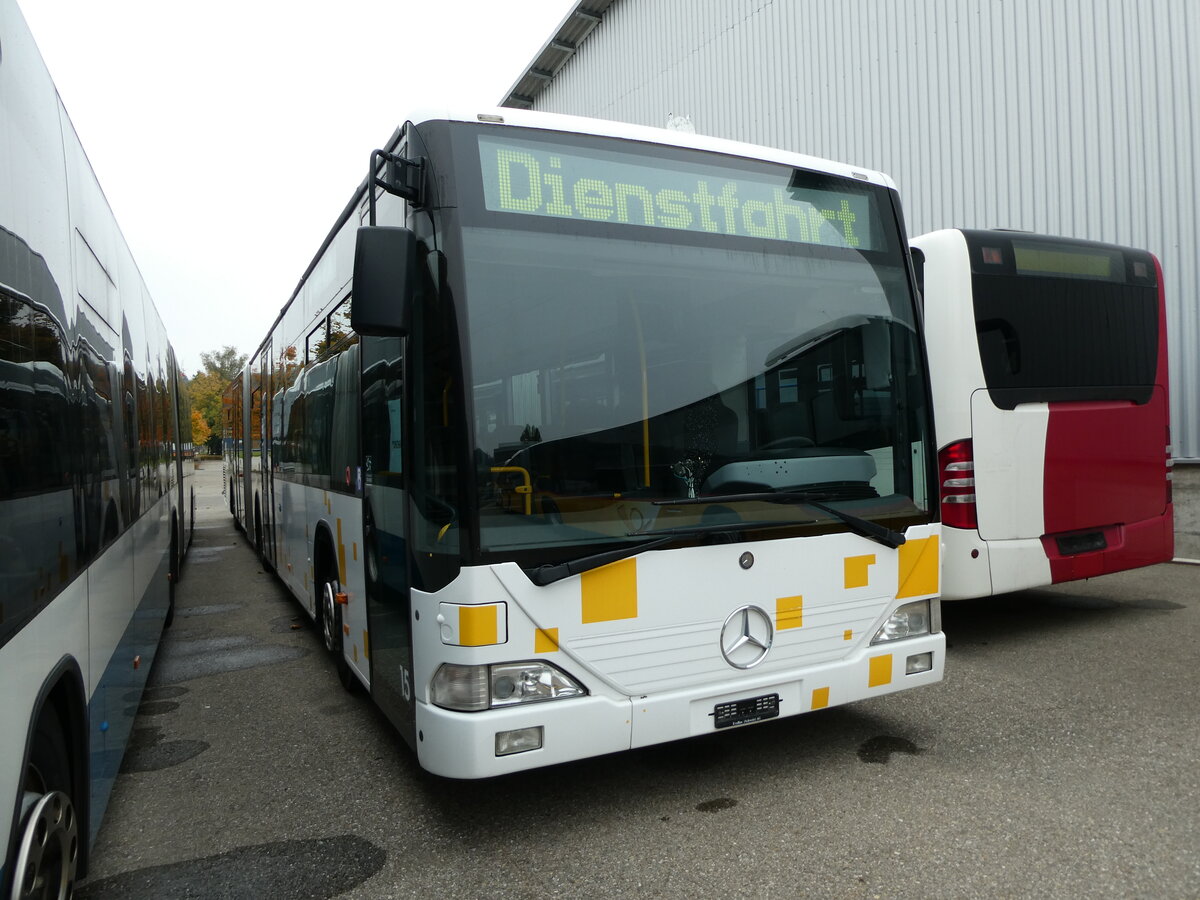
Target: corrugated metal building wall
[[1071, 117]]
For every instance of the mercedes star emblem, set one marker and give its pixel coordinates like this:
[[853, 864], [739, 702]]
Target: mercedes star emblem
[[746, 637]]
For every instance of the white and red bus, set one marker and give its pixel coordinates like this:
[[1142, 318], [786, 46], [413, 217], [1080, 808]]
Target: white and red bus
[[95, 502], [1048, 358], [579, 436]]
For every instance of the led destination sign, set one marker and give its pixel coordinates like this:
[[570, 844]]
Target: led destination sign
[[559, 182]]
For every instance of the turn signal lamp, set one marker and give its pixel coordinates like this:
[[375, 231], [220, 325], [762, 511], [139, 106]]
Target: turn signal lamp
[[475, 688]]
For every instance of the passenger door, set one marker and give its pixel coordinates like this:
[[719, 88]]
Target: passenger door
[[389, 611]]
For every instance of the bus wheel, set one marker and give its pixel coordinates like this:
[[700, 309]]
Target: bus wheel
[[48, 833], [172, 576], [331, 631], [258, 534]]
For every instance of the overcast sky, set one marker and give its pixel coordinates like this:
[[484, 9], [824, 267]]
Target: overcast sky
[[229, 134]]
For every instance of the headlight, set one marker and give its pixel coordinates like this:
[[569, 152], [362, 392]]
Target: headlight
[[474, 688], [909, 620]]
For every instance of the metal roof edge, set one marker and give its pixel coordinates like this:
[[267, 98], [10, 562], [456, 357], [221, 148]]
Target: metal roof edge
[[563, 43]]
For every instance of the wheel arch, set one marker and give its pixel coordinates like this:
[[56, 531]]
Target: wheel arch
[[63, 692], [324, 554]]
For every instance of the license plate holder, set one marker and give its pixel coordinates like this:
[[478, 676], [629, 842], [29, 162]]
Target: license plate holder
[[743, 712]]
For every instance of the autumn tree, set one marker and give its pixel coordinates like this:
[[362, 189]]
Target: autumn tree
[[207, 386], [200, 430]]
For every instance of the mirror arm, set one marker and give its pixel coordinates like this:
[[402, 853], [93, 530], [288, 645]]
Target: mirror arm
[[402, 177]]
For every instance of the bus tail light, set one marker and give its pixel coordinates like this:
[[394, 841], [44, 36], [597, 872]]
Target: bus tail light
[[956, 469]]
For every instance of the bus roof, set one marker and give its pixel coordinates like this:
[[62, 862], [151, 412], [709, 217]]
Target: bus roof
[[524, 118]]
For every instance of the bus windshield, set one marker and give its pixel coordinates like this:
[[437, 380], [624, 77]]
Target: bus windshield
[[608, 374], [614, 368]]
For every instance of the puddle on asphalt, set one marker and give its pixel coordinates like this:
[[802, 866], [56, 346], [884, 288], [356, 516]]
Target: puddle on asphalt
[[207, 554], [155, 693], [283, 870], [212, 610], [154, 708], [148, 752], [183, 660]]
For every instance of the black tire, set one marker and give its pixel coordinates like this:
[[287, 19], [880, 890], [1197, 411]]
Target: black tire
[[330, 622], [172, 576], [47, 844], [258, 533]]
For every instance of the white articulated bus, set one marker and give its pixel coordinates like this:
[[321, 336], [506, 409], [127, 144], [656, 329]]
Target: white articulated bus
[[95, 504], [579, 436], [1048, 358]]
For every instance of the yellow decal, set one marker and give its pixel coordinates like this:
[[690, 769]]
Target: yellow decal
[[881, 671], [856, 570], [366, 644], [356, 652], [545, 640], [820, 698], [848, 634], [477, 625], [918, 568], [610, 592], [354, 547], [789, 612]]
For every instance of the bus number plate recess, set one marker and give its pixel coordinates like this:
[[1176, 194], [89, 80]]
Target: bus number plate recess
[[743, 712]]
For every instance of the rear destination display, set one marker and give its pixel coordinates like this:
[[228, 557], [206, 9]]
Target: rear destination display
[[535, 179]]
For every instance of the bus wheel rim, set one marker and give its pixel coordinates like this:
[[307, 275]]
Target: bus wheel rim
[[49, 850], [329, 617]]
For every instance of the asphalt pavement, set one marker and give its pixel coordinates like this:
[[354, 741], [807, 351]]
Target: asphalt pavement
[[1057, 759]]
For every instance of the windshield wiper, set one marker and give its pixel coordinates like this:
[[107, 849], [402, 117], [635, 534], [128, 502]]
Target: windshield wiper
[[548, 574], [867, 529]]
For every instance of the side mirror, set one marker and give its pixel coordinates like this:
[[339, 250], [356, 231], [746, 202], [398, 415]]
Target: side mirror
[[385, 274]]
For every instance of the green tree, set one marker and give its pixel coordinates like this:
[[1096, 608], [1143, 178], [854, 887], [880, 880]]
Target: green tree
[[226, 362]]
